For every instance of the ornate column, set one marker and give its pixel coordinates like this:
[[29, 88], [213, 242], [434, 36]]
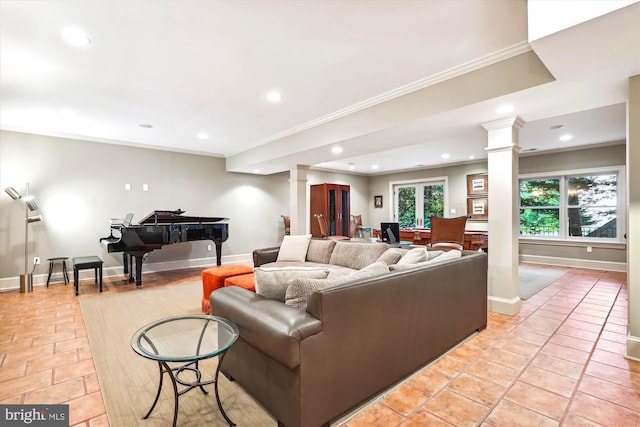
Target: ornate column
[[504, 216], [633, 218], [298, 199]]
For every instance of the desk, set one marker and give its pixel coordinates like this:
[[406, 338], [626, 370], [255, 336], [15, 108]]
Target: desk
[[184, 341], [473, 240]]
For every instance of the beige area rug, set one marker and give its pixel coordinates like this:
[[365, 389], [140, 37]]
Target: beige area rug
[[532, 280], [129, 382]]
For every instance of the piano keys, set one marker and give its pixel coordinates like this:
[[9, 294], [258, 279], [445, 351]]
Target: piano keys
[[162, 227]]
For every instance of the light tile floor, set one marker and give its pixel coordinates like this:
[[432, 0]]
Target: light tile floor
[[558, 362]]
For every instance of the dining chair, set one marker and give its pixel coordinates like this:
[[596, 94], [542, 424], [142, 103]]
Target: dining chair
[[448, 232], [322, 222]]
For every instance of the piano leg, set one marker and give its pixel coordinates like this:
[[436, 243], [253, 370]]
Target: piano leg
[[130, 268], [139, 270], [125, 263], [218, 253]]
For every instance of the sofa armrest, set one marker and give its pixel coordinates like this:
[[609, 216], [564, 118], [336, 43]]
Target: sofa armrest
[[264, 256], [269, 325]]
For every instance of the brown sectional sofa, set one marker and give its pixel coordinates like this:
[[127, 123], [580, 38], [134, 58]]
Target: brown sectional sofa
[[354, 339]]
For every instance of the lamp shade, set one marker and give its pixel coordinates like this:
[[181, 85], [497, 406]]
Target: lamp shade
[[31, 203], [13, 193], [35, 218]]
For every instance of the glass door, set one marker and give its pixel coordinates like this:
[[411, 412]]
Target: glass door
[[415, 203]]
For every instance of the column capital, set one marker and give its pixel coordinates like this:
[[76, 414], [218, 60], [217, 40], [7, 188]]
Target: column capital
[[298, 173], [505, 122]]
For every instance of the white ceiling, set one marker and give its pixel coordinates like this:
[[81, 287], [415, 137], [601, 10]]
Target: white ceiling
[[393, 83]]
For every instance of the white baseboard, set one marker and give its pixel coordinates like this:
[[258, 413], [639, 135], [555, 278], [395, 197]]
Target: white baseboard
[[13, 283], [574, 262]]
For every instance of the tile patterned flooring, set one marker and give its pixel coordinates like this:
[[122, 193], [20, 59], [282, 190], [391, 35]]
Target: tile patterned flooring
[[558, 362]]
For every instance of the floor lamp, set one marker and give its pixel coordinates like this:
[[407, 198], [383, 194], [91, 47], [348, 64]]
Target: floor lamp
[[26, 279]]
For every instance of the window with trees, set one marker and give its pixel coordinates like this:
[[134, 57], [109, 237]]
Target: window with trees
[[580, 205], [414, 203]]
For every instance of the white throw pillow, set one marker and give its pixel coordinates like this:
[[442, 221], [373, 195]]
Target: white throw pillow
[[272, 282], [294, 248], [414, 256]]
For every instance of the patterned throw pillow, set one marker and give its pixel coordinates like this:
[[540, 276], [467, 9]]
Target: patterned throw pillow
[[294, 248], [272, 282], [301, 289]]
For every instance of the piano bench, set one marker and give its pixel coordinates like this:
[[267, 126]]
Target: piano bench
[[247, 281], [83, 263], [213, 278]]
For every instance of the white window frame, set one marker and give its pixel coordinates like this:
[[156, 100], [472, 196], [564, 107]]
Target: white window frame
[[393, 209], [621, 217]]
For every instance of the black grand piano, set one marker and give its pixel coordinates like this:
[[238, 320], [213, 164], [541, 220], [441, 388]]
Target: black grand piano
[[162, 227]]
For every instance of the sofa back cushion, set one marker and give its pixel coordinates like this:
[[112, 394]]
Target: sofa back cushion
[[320, 250], [414, 256], [356, 255], [294, 248], [446, 255], [391, 255]]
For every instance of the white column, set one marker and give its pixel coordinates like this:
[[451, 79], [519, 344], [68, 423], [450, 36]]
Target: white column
[[633, 212], [298, 199], [504, 216]]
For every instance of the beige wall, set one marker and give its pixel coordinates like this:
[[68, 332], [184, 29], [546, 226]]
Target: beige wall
[[80, 185]]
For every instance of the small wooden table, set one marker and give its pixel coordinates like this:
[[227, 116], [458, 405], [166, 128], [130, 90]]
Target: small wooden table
[[83, 263]]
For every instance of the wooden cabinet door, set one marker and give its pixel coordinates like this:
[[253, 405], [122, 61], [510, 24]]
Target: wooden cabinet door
[[333, 201]]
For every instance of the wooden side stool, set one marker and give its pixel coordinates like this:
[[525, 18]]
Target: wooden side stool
[[213, 278], [65, 275], [83, 263]]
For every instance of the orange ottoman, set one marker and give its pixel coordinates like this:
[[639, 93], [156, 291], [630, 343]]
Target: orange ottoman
[[213, 278], [247, 281]]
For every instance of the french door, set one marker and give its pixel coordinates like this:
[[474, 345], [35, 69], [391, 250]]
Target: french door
[[414, 203]]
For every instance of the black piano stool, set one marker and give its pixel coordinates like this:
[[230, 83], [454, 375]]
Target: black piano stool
[[83, 263], [65, 275]]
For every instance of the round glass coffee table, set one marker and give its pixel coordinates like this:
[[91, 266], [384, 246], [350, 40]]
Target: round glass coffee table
[[183, 341]]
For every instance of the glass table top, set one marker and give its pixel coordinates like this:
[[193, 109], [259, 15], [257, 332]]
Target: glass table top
[[185, 338]]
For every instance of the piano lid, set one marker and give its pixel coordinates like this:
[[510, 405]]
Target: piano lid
[[176, 217]]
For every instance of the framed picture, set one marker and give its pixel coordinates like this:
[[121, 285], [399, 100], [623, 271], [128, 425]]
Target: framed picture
[[477, 185], [377, 201], [478, 208]]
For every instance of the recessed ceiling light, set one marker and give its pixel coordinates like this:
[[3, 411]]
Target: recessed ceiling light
[[352, 165], [556, 127], [145, 125], [202, 135], [445, 156], [256, 170], [374, 166], [75, 36], [504, 109], [472, 157], [336, 150], [274, 96], [566, 137]]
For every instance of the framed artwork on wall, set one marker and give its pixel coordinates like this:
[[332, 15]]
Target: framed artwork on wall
[[377, 201], [478, 207], [477, 185]]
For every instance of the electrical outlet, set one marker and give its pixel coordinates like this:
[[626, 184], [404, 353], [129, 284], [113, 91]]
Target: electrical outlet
[[589, 249], [208, 247], [36, 260]]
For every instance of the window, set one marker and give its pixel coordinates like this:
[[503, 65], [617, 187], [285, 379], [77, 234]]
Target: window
[[415, 202], [572, 205]]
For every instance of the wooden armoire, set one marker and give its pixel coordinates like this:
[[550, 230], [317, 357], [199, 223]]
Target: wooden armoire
[[333, 201]]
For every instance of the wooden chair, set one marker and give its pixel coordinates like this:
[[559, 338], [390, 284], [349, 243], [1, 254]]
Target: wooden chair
[[287, 224], [322, 222], [447, 232], [356, 225]]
